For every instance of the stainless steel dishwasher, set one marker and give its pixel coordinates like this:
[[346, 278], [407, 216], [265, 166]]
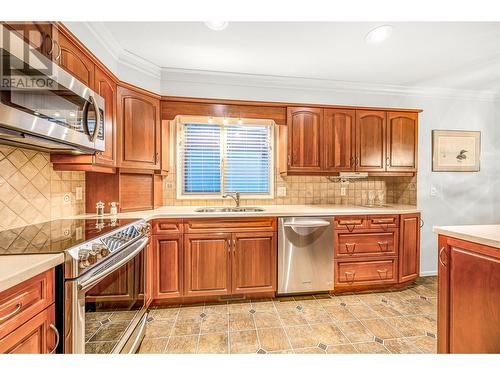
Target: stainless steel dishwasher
[[305, 254]]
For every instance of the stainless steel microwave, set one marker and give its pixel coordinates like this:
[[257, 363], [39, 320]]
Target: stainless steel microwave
[[44, 107]]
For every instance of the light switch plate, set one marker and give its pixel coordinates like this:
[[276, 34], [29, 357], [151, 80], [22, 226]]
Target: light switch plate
[[343, 191], [281, 191]]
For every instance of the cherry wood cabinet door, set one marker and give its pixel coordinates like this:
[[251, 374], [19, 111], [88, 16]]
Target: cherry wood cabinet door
[[474, 299], [207, 264], [167, 266], [36, 336], [139, 129], [106, 87], [370, 141], [409, 247], [75, 61], [305, 139], [443, 307], [150, 272], [338, 140], [254, 262], [402, 141]]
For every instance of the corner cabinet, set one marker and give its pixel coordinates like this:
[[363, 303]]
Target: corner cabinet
[[468, 297], [139, 130]]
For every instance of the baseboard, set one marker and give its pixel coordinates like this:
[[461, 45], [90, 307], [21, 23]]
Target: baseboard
[[428, 273]]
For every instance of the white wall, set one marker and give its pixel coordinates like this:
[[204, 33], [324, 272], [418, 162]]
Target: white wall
[[464, 198]]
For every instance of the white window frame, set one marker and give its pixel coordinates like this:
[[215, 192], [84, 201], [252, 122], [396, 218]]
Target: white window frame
[[182, 120]]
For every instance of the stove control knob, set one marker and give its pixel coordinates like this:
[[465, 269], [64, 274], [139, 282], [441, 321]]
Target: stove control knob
[[83, 259], [99, 250]]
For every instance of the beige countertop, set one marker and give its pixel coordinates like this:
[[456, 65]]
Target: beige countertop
[[483, 234], [277, 210], [14, 269]]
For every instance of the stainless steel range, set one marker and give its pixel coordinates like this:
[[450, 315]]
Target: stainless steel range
[[104, 300]]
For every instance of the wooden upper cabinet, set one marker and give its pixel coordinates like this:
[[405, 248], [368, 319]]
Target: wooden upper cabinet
[[370, 141], [42, 36], [304, 139], [409, 247], [75, 61], [139, 129], [207, 266], [106, 87], [402, 140], [338, 140], [254, 262], [167, 266]]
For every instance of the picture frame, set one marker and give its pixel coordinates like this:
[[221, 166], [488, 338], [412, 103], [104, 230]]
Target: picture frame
[[456, 151]]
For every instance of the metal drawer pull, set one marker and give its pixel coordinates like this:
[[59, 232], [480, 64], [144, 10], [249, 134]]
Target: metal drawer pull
[[383, 271], [383, 243], [440, 256], [348, 273], [54, 328], [19, 305], [348, 245]]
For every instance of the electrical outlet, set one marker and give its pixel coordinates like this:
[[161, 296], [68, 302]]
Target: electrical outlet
[[79, 193], [281, 191], [79, 233], [343, 191], [434, 191], [66, 198]]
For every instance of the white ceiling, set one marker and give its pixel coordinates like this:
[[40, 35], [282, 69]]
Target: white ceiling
[[449, 55]]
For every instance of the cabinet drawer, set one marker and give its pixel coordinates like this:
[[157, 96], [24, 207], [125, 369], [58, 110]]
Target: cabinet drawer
[[167, 226], [383, 221], [350, 223], [229, 225], [22, 302], [367, 272], [366, 244]]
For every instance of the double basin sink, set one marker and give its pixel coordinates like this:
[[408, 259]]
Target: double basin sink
[[229, 209]]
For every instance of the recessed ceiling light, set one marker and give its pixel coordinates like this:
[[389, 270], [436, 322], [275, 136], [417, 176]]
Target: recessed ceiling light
[[216, 25], [379, 34]]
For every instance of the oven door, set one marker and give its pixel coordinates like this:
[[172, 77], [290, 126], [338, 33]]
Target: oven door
[[108, 307]]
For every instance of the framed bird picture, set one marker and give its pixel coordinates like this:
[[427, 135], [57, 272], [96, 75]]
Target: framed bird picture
[[456, 151]]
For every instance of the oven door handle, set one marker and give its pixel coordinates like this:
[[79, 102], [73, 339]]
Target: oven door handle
[[92, 280]]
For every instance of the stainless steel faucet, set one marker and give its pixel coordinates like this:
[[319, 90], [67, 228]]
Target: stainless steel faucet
[[235, 196]]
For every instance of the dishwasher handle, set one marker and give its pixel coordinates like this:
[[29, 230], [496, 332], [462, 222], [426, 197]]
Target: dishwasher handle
[[307, 224]]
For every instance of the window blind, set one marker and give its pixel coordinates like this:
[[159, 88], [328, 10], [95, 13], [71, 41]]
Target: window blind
[[201, 153], [247, 159]]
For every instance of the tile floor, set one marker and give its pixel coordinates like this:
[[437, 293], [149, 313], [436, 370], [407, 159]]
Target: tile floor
[[389, 322]]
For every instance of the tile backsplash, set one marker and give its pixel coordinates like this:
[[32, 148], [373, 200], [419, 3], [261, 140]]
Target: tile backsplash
[[314, 190], [32, 192]]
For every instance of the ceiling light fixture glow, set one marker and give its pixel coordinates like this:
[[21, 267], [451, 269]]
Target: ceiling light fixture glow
[[216, 25], [379, 34]]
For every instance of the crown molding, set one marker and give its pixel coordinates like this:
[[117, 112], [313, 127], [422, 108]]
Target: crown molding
[[174, 76]]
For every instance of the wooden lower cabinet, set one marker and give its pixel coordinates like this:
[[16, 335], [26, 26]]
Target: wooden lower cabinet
[[468, 297], [254, 262], [207, 265], [409, 247], [36, 336], [367, 272], [167, 266]]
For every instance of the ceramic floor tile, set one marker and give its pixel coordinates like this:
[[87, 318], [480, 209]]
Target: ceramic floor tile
[[423, 323], [182, 344], [239, 307], [329, 334], [159, 328], [263, 306], [381, 329], [405, 326], [164, 313], [355, 331], [217, 308], [341, 349], [371, 348], [302, 336], [267, 319], [401, 346], [340, 313], [362, 312], [191, 312], [371, 297], [292, 318], [215, 322], [272, 339], [241, 321], [309, 351], [186, 326], [243, 342], [315, 315], [384, 310], [426, 344], [213, 343], [349, 299], [153, 346]]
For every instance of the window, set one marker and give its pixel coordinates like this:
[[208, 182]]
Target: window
[[215, 159]]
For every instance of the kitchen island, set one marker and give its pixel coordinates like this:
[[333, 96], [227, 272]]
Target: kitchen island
[[469, 289]]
